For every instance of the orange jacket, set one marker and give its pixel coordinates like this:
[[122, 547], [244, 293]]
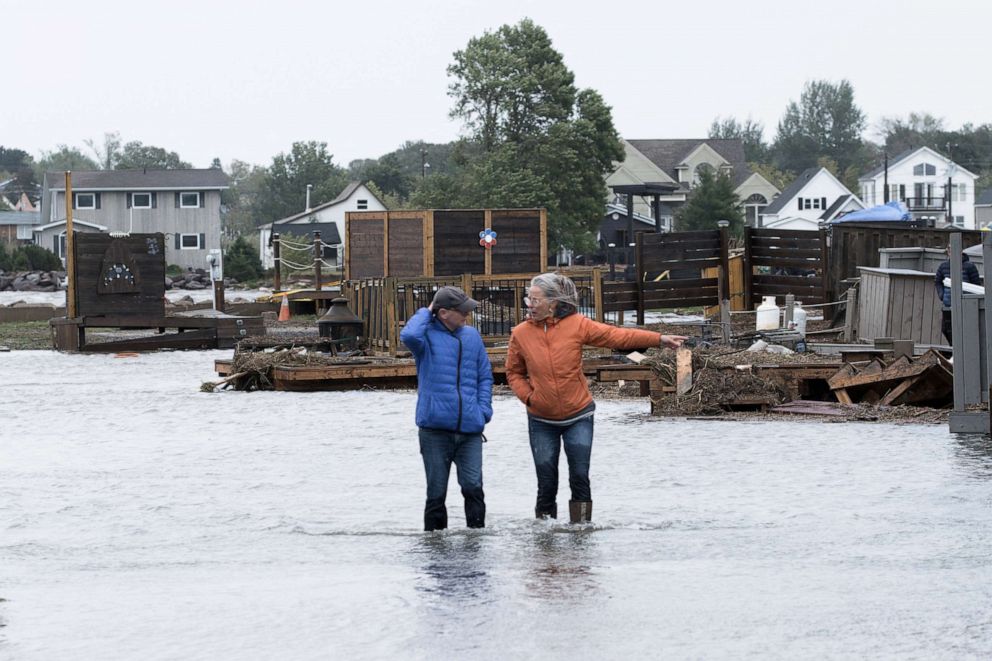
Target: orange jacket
[[544, 361]]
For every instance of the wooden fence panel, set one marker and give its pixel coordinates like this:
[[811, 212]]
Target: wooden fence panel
[[782, 262]]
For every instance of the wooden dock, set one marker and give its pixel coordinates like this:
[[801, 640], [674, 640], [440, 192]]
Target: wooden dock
[[195, 331]]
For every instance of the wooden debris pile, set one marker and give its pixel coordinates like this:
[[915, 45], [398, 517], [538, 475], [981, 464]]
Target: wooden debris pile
[[926, 380], [252, 370]]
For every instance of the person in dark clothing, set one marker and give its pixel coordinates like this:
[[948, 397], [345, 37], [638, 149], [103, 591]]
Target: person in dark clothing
[[969, 273], [454, 402]]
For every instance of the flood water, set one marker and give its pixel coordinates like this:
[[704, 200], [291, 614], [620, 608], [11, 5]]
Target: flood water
[[143, 519]]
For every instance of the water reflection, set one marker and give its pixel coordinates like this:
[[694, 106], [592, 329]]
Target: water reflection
[[974, 454], [560, 565], [452, 566]]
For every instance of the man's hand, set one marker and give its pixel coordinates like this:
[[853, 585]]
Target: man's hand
[[672, 341]]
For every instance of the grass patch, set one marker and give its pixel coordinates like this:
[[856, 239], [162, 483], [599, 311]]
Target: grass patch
[[26, 335]]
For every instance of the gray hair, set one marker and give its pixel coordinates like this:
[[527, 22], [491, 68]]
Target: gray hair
[[560, 289]]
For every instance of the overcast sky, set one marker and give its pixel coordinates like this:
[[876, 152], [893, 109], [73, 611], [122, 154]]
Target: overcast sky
[[246, 79]]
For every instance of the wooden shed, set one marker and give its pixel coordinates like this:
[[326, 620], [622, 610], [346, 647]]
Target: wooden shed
[[441, 242], [899, 303]]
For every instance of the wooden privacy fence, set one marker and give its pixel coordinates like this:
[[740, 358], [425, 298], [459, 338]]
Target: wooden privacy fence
[[385, 304], [782, 262], [857, 244]]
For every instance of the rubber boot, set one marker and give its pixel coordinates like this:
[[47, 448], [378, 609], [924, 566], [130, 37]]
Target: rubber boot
[[580, 511], [546, 512]]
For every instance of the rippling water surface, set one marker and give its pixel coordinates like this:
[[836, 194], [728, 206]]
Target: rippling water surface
[[143, 519]]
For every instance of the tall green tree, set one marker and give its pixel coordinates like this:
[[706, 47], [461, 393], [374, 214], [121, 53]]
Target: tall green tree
[[538, 141], [711, 201], [240, 214], [750, 132], [135, 155], [825, 122], [915, 130], [284, 190], [108, 152], [510, 84]]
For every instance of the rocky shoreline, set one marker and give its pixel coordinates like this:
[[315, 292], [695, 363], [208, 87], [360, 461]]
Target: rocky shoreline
[[49, 281]]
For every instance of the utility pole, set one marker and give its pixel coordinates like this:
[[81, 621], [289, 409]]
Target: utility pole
[[423, 163]]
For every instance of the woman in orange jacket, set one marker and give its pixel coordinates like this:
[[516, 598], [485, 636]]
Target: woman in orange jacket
[[544, 368]]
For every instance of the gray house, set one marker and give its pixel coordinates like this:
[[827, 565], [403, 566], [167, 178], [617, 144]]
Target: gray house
[[983, 209], [182, 204]]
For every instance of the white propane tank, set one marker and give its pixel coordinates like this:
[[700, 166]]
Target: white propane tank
[[768, 316], [799, 319]]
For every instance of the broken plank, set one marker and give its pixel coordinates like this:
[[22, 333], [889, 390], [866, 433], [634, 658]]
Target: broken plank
[[683, 371]]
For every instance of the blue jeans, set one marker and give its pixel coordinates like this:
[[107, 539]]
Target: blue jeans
[[438, 449], [545, 445]]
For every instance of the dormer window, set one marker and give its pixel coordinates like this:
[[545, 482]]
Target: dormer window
[[362, 204], [924, 170]]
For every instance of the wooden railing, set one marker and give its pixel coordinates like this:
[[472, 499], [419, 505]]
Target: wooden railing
[[385, 304]]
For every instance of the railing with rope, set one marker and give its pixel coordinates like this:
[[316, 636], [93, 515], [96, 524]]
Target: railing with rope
[[303, 258]]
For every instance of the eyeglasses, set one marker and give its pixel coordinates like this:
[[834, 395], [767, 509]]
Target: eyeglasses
[[529, 302]]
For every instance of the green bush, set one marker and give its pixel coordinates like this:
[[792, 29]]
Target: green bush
[[41, 259], [29, 258], [241, 261], [173, 269]]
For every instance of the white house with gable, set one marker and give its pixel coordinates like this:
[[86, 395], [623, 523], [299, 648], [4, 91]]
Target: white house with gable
[[815, 196], [919, 177], [327, 218]]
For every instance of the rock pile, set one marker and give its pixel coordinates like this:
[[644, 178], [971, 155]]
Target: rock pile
[[194, 279], [31, 280]]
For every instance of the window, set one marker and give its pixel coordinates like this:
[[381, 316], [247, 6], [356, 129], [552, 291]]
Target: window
[[189, 200], [86, 200], [190, 241], [141, 200], [959, 221], [959, 192], [812, 203], [924, 170], [363, 204]]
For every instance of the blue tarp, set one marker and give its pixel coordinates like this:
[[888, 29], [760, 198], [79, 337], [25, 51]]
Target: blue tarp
[[890, 211]]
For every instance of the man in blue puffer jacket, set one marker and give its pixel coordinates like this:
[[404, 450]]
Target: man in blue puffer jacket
[[454, 402]]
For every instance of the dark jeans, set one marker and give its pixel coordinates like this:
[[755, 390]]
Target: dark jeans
[[439, 449], [545, 445], [945, 325]]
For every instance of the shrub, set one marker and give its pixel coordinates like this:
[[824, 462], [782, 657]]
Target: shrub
[[241, 261], [41, 259]]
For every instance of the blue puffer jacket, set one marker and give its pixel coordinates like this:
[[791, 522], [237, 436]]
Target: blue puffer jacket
[[454, 377]]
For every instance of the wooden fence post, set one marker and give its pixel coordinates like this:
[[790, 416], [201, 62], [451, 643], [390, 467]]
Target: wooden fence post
[[851, 315], [748, 270], [318, 256], [639, 275], [828, 312], [278, 261], [597, 294], [724, 292]]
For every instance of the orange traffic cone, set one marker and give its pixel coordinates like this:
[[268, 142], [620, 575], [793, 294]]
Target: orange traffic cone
[[284, 309]]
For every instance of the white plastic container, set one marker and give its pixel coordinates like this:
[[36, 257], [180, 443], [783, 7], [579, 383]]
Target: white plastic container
[[799, 320], [768, 314]]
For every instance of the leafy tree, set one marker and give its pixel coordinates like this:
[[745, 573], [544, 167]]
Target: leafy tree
[[776, 177], [17, 164], [749, 132], [135, 155], [825, 122], [29, 258], [387, 174], [241, 261], [284, 190], [711, 201], [535, 139], [916, 130], [63, 157], [510, 84], [240, 213]]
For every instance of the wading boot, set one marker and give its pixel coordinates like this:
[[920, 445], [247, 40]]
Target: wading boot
[[546, 511], [579, 511]]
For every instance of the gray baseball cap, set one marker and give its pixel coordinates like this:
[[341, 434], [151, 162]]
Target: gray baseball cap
[[454, 298]]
